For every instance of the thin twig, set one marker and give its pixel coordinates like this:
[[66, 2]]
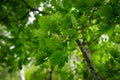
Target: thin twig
[[92, 41], [27, 4]]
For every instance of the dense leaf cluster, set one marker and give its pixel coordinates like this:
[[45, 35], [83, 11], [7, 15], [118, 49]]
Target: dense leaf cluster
[[51, 36]]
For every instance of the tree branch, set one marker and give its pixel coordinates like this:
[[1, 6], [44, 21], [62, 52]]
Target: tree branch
[[94, 40], [84, 52], [41, 12], [51, 73], [27, 4], [24, 16], [34, 9]]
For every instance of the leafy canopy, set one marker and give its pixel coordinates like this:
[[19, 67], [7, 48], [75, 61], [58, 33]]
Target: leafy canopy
[[51, 36]]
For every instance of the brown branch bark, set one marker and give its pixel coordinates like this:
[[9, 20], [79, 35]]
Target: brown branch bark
[[51, 73], [84, 52], [41, 12], [34, 9]]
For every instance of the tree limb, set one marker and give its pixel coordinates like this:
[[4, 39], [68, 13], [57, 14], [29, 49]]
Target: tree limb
[[51, 73], [34, 9], [94, 40], [84, 52], [41, 12]]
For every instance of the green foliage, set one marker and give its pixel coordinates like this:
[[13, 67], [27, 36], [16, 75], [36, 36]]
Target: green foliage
[[50, 39], [105, 11], [59, 58]]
